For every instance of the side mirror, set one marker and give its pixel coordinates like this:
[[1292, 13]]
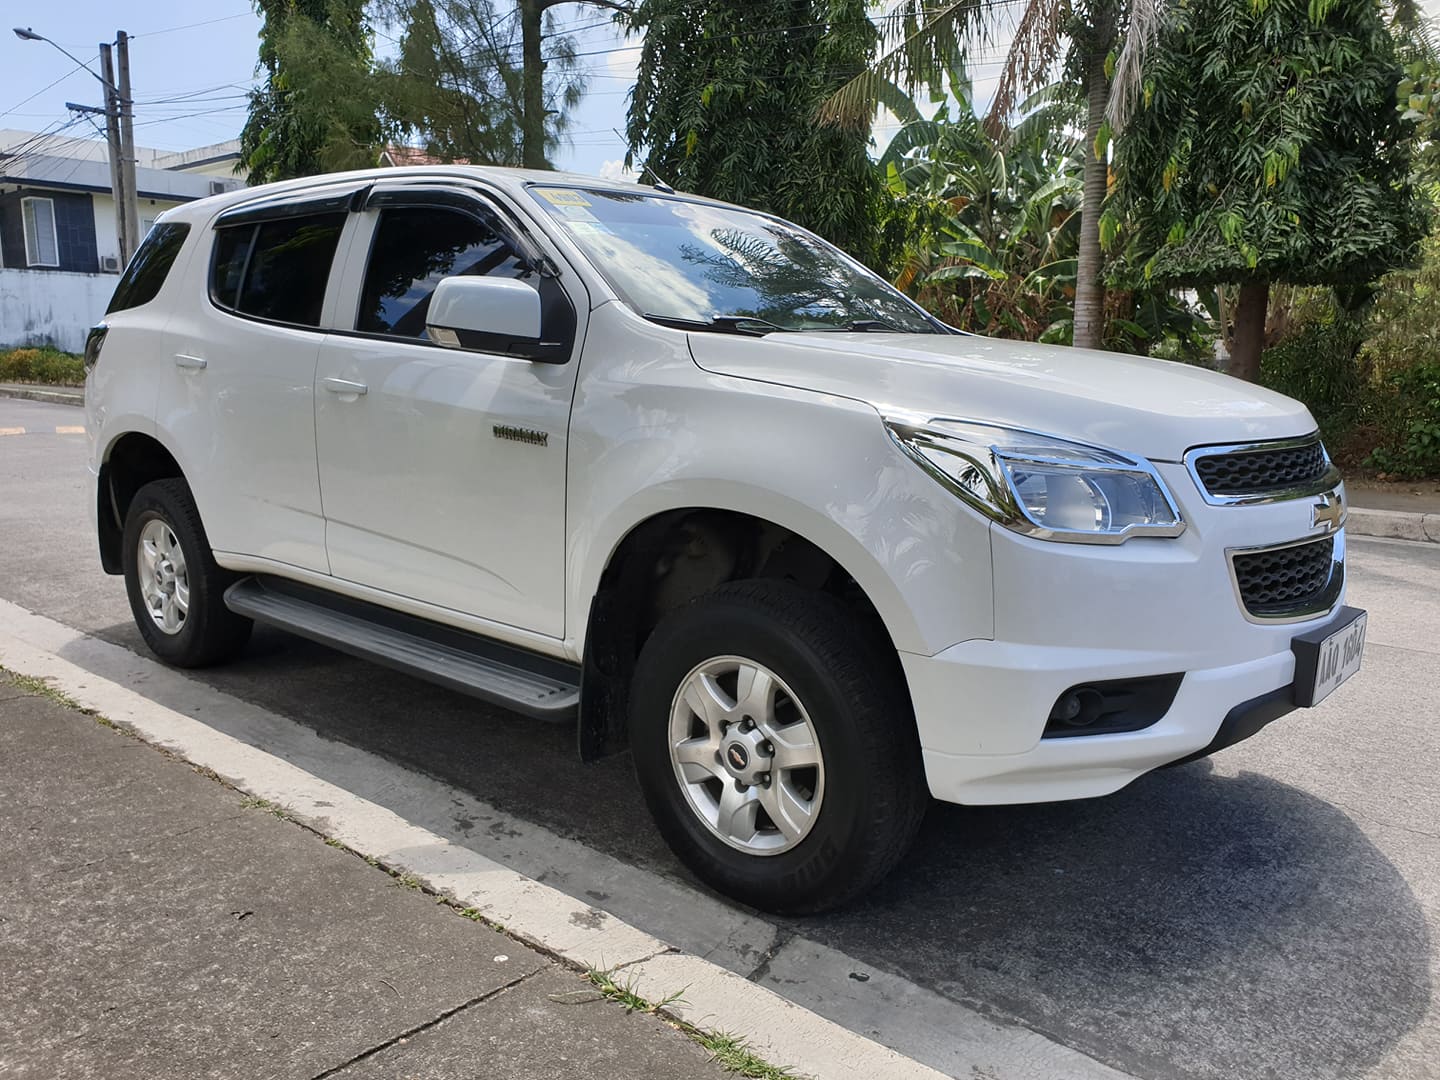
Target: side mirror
[[500, 315]]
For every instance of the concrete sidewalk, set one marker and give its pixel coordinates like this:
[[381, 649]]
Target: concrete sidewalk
[[154, 923]]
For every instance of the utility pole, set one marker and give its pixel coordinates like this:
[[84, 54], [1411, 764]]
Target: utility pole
[[116, 154], [119, 116], [127, 145]]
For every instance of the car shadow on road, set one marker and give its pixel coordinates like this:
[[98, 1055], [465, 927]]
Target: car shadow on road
[[1195, 924]]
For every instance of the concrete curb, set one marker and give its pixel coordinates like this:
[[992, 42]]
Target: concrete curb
[[45, 394], [1394, 524]]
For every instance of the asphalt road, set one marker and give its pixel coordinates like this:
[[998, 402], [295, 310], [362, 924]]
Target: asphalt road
[[1266, 913]]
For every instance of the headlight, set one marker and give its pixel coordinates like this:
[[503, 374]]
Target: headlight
[[1040, 485]]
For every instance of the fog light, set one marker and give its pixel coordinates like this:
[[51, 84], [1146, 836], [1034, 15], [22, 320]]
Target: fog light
[[1079, 707]]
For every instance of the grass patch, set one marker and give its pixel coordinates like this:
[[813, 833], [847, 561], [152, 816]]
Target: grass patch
[[45, 365], [624, 993], [728, 1051], [41, 688], [252, 802]]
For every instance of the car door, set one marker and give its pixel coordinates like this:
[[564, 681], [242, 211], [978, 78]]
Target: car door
[[235, 400], [442, 470]]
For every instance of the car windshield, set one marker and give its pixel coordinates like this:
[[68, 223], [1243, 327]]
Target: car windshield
[[695, 263]]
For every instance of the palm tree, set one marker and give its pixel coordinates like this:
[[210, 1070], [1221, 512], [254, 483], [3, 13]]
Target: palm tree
[[920, 46]]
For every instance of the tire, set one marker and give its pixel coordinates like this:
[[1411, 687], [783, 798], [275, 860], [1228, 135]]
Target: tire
[[202, 630], [833, 674]]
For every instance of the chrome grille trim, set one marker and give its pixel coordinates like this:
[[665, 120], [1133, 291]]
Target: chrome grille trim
[[1326, 479]]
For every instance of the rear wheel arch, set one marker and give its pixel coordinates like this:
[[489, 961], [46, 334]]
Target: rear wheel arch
[[133, 460]]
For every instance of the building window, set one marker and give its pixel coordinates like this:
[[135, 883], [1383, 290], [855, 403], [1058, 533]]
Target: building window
[[42, 247]]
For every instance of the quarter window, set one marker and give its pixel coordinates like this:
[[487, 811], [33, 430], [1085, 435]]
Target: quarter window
[[414, 248], [148, 269], [42, 248], [276, 270]]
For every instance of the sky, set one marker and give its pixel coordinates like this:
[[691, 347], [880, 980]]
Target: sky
[[191, 64]]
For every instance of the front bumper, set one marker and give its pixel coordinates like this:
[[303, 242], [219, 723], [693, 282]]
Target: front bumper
[[1067, 615], [988, 686]]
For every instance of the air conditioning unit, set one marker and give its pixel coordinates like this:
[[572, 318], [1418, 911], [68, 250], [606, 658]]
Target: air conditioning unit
[[217, 187], [109, 264]]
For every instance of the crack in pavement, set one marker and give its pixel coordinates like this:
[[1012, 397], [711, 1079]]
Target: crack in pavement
[[427, 1025]]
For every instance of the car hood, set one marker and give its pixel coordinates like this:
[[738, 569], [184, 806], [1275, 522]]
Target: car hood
[[1131, 403]]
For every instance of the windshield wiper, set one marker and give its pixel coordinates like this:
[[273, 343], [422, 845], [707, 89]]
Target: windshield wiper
[[725, 324], [869, 326]]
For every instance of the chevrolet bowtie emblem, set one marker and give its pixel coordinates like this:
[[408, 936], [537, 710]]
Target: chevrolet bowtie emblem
[[1328, 513]]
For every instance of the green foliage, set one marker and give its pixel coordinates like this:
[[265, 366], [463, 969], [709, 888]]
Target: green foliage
[[42, 365], [725, 106], [315, 109], [1266, 146], [1317, 365], [454, 86], [1405, 321], [994, 246], [1409, 418]]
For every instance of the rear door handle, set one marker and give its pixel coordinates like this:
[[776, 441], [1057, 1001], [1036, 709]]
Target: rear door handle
[[190, 363], [344, 386]]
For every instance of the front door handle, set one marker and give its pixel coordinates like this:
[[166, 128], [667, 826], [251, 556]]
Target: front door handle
[[190, 363], [344, 386]]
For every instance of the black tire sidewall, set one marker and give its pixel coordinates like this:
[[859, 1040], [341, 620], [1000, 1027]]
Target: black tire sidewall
[[812, 874]]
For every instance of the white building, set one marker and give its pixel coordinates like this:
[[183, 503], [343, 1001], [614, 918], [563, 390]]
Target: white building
[[58, 250]]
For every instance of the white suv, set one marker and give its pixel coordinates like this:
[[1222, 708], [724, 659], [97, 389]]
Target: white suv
[[692, 478]]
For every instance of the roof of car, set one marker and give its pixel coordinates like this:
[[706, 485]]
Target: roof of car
[[513, 179]]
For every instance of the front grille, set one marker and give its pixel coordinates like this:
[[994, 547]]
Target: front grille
[[1283, 581], [1261, 470]]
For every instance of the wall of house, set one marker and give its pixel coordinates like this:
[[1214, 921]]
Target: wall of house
[[52, 308], [104, 211], [74, 230]]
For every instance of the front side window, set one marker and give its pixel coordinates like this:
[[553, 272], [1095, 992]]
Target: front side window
[[672, 258], [42, 247], [414, 247], [148, 269], [276, 270]]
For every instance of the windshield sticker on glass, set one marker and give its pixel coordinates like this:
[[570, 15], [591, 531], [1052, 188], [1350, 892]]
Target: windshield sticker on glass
[[563, 197], [574, 214]]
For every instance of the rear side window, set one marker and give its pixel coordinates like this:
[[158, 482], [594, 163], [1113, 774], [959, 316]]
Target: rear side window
[[148, 269], [276, 270], [413, 249]]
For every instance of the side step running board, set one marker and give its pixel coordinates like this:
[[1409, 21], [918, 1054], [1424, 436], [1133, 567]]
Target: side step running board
[[536, 685]]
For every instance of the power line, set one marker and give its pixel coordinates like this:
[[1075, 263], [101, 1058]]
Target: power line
[[48, 86], [194, 25]]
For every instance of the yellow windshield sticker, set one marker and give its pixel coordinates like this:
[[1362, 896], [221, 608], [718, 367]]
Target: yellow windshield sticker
[[563, 197]]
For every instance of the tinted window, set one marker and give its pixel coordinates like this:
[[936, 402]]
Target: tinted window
[[232, 249], [289, 268], [148, 269], [278, 269], [413, 249]]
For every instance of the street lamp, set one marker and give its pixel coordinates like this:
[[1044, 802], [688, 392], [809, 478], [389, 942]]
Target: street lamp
[[119, 114]]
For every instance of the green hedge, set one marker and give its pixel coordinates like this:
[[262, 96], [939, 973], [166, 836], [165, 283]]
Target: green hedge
[[49, 366]]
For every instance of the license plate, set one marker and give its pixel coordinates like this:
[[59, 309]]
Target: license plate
[[1326, 658]]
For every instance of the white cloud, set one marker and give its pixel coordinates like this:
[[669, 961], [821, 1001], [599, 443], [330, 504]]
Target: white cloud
[[618, 170]]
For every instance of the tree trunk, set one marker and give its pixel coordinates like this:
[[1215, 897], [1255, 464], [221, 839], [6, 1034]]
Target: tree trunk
[[1249, 330], [1089, 291], [532, 121]]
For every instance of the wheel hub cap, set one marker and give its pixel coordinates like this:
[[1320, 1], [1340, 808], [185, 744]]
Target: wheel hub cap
[[164, 583], [746, 755]]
